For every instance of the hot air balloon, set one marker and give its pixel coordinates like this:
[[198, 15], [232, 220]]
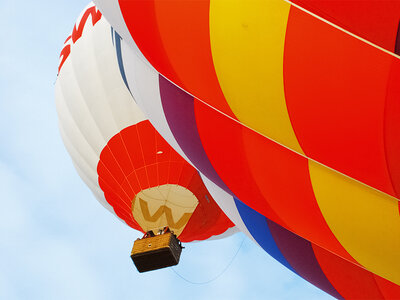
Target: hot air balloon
[[129, 167], [288, 107], [314, 263]]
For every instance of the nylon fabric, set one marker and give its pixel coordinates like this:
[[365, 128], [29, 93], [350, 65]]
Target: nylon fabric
[[366, 222], [247, 43]]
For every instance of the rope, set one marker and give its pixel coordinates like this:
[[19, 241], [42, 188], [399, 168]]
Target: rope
[[216, 277]]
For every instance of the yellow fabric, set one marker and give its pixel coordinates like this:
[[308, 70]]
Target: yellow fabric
[[166, 205], [247, 43], [366, 222]]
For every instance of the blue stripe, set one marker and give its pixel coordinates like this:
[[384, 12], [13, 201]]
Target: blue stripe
[[258, 227], [119, 58]]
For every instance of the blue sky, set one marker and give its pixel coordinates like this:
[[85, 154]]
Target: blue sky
[[57, 241]]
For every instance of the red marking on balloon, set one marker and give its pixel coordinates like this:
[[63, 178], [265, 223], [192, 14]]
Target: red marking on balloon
[[77, 32]]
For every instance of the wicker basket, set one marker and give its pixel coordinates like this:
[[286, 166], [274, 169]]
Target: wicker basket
[[156, 252]]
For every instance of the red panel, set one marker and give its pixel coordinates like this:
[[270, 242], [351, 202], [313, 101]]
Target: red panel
[[133, 180], [140, 18], [120, 153], [223, 144], [105, 175], [175, 171], [174, 37], [206, 220], [163, 149], [194, 185], [184, 30], [388, 289], [351, 281], [116, 200], [152, 174], [188, 172], [375, 20], [392, 125], [108, 159], [163, 172], [147, 142], [143, 179], [131, 139], [335, 87], [283, 178], [126, 186], [174, 156]]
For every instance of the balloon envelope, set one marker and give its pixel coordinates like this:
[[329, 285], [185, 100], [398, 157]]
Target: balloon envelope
[[289, 107], [131, 169]]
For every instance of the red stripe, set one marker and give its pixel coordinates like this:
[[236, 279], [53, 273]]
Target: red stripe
[[283, 178], [335, 87], [392, 125], [376, 21], [222, 141], [174, 37], [351, 281], [388, 289]]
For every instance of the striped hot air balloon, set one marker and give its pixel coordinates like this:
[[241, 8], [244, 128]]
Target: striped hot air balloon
[[129, 167], [288, 107]]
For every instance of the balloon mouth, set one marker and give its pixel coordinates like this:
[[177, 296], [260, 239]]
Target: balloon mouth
[[169, 205]]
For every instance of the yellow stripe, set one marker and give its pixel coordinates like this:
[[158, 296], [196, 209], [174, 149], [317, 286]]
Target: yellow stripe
[[365, 221], [247, 44]]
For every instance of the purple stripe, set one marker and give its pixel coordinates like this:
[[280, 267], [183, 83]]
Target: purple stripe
[[300, 255], [179, 111]]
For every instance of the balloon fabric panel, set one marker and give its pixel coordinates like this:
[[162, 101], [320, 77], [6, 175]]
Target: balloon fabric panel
[[223, 132], [336, 99], [388, 289], [210, 208], [131, 140], [375, 21], [341, 207], [140, 18], [159, 27], [177, 45], [300, 255], [365, 221], [258, 227], [223, 144], [178, 108], [282, 177], [345, 277], [392, 126], [283, 198], [247, 43], [147, 141], [333, 274]]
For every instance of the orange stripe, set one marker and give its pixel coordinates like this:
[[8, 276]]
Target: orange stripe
[[222, 141], [283, 179], [174, 37]]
